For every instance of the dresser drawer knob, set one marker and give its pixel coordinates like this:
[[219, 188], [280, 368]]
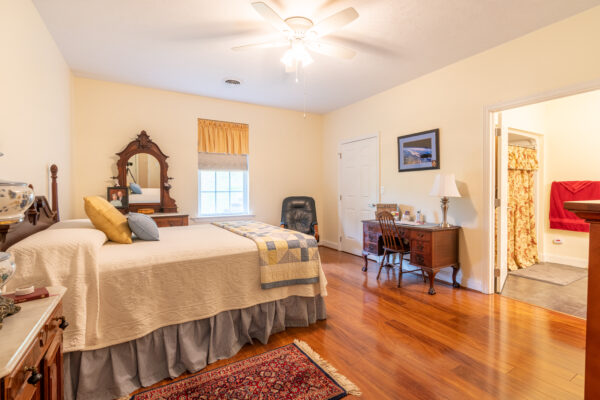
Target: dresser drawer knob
[[63, 322], [35, 377]]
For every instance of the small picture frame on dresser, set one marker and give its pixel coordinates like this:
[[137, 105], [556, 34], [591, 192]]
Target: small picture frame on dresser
[[118, 196]]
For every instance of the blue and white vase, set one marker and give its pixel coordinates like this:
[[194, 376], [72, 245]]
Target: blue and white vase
[[15, 199]]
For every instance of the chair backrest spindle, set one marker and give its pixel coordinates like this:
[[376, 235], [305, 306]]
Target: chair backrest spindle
[[389, 231]]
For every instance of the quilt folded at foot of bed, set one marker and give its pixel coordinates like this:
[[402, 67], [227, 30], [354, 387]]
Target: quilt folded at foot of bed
[[286, 257]]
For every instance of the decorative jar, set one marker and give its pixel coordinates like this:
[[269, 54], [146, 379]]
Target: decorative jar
[[15, 199]]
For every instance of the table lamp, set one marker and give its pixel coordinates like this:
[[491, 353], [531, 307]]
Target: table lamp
[[15, 199], [444, 186]]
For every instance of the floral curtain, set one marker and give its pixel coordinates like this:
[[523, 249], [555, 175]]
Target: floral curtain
[[522, 240], [222, 137]]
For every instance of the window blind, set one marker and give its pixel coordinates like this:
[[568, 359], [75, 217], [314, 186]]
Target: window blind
[[222, 162]]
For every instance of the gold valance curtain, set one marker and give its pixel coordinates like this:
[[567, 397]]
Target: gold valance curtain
[[522, 240], [222, 137]]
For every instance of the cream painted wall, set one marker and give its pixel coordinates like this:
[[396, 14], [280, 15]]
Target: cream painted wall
[[35, 101], [571, 138], [454, 100], [285, 148]]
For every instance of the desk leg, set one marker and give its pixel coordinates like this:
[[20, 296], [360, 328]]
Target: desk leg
[[366, 262], [455, 269], [431, 276]]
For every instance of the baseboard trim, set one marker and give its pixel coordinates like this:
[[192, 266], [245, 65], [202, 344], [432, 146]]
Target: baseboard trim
[[331, 245], [565, 260]]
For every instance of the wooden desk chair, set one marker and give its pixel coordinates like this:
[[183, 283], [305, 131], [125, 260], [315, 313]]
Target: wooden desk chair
[[393, 243]]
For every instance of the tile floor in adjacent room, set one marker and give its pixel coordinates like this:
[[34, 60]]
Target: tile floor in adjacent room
[[569, 299]]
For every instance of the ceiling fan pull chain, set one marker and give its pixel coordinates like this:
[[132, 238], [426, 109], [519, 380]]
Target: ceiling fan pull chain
[[304, 89]]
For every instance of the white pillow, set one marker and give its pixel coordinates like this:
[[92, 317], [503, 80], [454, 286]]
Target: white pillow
[[83, 223]]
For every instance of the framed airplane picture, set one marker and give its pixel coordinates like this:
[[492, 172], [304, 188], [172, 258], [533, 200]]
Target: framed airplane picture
[[419, 151]]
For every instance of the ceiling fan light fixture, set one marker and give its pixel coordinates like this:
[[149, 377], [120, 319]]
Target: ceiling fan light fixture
[[297, 54], [288, 58]]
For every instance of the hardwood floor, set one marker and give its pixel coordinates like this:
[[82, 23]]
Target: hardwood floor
[[459, 344]]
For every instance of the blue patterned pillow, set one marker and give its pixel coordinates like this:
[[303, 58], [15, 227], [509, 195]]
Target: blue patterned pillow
[[143, 226], [135, 188]]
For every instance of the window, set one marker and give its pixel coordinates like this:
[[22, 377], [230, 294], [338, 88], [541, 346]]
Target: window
[[222, 192], [222, 184], [222, 168]]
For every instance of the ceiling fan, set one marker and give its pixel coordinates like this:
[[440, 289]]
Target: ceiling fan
[[301, 35]]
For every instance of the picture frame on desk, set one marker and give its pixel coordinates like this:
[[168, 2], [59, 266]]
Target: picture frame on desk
[[419, 151]]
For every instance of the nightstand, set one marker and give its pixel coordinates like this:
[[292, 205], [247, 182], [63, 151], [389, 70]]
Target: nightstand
[[31, 354]]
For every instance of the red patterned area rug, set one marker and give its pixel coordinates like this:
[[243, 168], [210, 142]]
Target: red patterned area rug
[[291, 372]]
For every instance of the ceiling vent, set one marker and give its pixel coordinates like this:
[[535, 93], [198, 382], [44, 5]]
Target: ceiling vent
[[232, 82]]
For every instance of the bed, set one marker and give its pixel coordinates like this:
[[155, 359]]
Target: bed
[[147, 311]]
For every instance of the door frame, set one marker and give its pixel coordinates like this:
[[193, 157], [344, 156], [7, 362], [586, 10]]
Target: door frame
[[375, 135], [489, 160]]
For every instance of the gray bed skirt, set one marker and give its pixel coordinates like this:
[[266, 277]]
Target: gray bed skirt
[[118, 370]]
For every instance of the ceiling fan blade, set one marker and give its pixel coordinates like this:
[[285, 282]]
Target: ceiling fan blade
[[264, 45], [333, 23], [271, 17], [331, 50]]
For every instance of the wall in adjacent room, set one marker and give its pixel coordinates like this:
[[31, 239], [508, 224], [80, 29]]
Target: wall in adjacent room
[[571, 135], [454, 100], [35, 102], [285, 148]]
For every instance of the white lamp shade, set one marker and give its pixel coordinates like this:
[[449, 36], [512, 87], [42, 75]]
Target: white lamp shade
[[444, 185]]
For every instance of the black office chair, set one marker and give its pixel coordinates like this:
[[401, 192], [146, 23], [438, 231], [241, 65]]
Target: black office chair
[[298, 213]]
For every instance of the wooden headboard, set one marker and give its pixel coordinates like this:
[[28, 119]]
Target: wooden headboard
[[37, 218]]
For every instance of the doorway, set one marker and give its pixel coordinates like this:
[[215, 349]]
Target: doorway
[[540, 252], [359, 189], [518, 212]]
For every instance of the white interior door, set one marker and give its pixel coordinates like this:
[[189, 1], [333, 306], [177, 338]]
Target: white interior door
[[359, 190], [502, 187]]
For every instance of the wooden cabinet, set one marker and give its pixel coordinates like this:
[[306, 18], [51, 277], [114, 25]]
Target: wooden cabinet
[[590, 211], [431, 247], [166, 220], [37, 372]]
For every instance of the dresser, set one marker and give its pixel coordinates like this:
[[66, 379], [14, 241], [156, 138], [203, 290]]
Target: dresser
[[590, 212], [31, 356], [164, 220], [431, 247]]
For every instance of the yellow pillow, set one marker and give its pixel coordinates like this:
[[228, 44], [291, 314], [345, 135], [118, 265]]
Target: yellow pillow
[[108, 219]]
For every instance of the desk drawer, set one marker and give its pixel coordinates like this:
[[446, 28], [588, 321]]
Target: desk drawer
[[421, 235], [420, 246], [404, 233], [371, 248], [373, 237], [420, 259]]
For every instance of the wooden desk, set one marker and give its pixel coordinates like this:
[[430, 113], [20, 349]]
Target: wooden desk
[[590, 211], [431, 247]]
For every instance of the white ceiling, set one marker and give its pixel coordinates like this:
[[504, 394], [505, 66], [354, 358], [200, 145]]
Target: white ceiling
[[185, 45]]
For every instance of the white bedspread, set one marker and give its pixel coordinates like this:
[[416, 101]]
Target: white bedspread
[[117, 292]]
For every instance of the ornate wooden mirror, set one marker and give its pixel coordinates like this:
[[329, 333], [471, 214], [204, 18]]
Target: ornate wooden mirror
[[143, 163]]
